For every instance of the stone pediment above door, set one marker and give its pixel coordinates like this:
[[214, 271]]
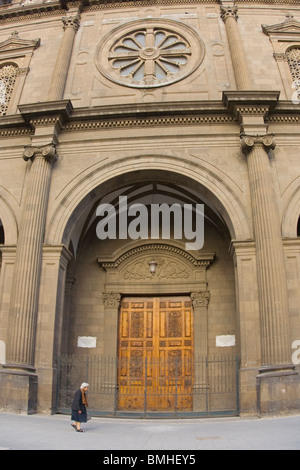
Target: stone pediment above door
[[176, 269], [288, 27], [14, 44]]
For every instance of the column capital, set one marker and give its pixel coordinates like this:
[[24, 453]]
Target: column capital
[[248, 142], [200, 298], [111, 299], [46, 151], [71, 22], [229, 11]]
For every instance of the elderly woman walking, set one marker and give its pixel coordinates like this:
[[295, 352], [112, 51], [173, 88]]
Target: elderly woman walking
[[79, 413]]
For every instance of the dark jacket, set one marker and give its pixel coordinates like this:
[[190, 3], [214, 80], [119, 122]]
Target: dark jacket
[[77, 404]]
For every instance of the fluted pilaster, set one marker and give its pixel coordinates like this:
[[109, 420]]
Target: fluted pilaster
[[24, 299], [240, 66], [60, 73], [269, 251]]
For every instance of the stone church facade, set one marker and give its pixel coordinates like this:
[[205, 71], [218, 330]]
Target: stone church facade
[[154, 102]]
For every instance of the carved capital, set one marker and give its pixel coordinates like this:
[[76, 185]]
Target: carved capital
[[71, 22], [280, 56], [248, 142], [48, 152], [200, 298], [111, 300], [229, 11]]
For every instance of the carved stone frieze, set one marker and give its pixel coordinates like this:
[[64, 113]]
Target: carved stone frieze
[[166, 269]]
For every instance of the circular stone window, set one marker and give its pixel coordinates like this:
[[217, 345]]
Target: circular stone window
[[149, 53]]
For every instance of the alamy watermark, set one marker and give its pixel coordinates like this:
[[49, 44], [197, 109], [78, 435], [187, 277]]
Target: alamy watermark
[[153, 221]]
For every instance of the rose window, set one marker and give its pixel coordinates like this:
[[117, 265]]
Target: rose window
[[149, 53]]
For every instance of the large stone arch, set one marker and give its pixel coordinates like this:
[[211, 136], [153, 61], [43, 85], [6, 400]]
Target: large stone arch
[[80, 194], [8, 212], [291, 210]]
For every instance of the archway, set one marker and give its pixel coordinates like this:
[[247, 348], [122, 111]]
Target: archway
[[105, 273], [69, 213]]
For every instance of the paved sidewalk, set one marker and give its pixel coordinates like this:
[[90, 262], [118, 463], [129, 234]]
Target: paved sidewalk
[[39, 432]]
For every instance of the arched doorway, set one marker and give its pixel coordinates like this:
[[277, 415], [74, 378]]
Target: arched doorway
[[150, 335]]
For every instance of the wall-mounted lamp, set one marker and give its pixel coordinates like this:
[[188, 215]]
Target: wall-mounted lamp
[[152, 266]]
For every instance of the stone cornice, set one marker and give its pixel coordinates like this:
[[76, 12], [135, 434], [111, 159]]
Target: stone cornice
[[15, 12], [23, 11], [252, 102], [188, 113], [47, 109]]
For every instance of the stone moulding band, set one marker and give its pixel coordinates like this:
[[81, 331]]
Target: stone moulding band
[[205, 260]]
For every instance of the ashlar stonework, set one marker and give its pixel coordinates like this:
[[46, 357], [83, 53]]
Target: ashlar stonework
[[164, 102]]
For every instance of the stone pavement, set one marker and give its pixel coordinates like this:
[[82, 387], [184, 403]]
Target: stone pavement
[[40, 432]]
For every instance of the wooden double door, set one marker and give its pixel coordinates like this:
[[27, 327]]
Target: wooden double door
[[155, 368]]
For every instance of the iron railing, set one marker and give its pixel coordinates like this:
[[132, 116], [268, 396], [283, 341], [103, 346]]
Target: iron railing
[[207, 386]]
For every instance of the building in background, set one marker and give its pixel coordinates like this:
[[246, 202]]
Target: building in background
[[193, 102]]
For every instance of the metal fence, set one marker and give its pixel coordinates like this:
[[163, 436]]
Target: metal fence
[[207, 386]]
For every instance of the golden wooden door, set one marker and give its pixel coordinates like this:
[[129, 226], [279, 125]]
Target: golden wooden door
[[155, 354]]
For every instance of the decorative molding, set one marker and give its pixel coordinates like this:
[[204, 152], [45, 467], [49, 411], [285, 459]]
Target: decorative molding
[[141, 122], [28, 11], [202, 260], [144, 115], [15, 132]]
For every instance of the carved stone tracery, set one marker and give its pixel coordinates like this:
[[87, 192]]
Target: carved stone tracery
[[8, 75], [149, 53]]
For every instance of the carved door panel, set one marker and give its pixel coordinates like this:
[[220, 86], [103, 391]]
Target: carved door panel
[[155, 354]]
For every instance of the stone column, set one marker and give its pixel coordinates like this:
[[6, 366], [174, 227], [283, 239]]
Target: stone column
[[50, 323], [244, 257], [200, 300], [59, 78], [272, 288], [111, 303], [6, 281], [240, 66], [24, 300]]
